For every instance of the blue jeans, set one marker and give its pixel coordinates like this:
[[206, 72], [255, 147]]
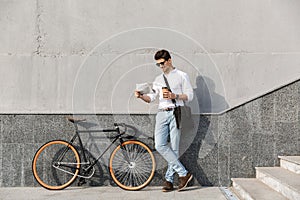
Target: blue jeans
[[166, 126]]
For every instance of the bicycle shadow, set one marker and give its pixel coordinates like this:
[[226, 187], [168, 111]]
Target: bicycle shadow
[[101, 174], [93, 142]]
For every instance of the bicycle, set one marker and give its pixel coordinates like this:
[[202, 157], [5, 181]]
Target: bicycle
[[57, 163]]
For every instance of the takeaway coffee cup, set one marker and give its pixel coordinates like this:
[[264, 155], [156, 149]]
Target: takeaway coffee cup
[[165, 91]]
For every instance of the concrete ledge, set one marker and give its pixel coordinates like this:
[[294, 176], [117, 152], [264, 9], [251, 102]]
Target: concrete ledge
[[291, 163], [283, 181], [251, 189]]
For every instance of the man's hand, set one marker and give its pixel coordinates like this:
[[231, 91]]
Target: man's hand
[[169, 95], [137, 94], [145, 98]]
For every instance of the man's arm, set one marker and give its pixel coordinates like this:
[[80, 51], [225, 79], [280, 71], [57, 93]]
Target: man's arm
[[187, 88], [183, 97], [144, 97]]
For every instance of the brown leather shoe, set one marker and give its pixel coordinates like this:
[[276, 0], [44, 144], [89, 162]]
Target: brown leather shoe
[[168, 186], [183, 181]]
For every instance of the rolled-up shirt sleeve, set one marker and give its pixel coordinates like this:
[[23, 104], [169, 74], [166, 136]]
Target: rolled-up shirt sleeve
[[187, 87]]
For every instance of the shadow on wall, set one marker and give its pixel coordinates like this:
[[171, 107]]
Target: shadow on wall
[[201, 156], [209, 101], [190, 158]]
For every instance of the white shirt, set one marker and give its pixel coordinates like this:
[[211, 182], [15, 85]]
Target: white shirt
[[179, 83]]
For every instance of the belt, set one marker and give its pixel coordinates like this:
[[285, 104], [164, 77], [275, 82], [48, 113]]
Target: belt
[[167, 109]]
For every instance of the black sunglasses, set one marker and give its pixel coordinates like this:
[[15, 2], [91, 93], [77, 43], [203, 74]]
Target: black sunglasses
[[161, 63]]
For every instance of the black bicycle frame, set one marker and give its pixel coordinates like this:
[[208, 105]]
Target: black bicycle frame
[[77, 132]]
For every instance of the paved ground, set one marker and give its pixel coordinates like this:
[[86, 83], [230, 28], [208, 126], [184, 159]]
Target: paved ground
[[112, 193]]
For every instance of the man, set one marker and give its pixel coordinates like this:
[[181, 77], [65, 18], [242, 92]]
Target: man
[[181, 90]]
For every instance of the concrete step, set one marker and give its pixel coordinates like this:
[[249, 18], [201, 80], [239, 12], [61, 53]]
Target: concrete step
[[291, 163], [253, 189], [282, 180]]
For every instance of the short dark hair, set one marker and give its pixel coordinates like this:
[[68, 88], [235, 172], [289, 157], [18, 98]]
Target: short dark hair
[[162, 54]]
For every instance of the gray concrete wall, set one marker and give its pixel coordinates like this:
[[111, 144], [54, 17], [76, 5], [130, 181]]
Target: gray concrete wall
[[65, 57], [219, 148], [81, 56]]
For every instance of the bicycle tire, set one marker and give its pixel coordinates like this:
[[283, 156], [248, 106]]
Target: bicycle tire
[[51, 173], [138, 172]]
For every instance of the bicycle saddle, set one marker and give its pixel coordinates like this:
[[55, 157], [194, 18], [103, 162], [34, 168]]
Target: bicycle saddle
[[74, 120]]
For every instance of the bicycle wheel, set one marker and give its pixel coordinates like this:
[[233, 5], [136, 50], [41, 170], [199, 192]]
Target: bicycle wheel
[[132, 165], [55, 165]]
